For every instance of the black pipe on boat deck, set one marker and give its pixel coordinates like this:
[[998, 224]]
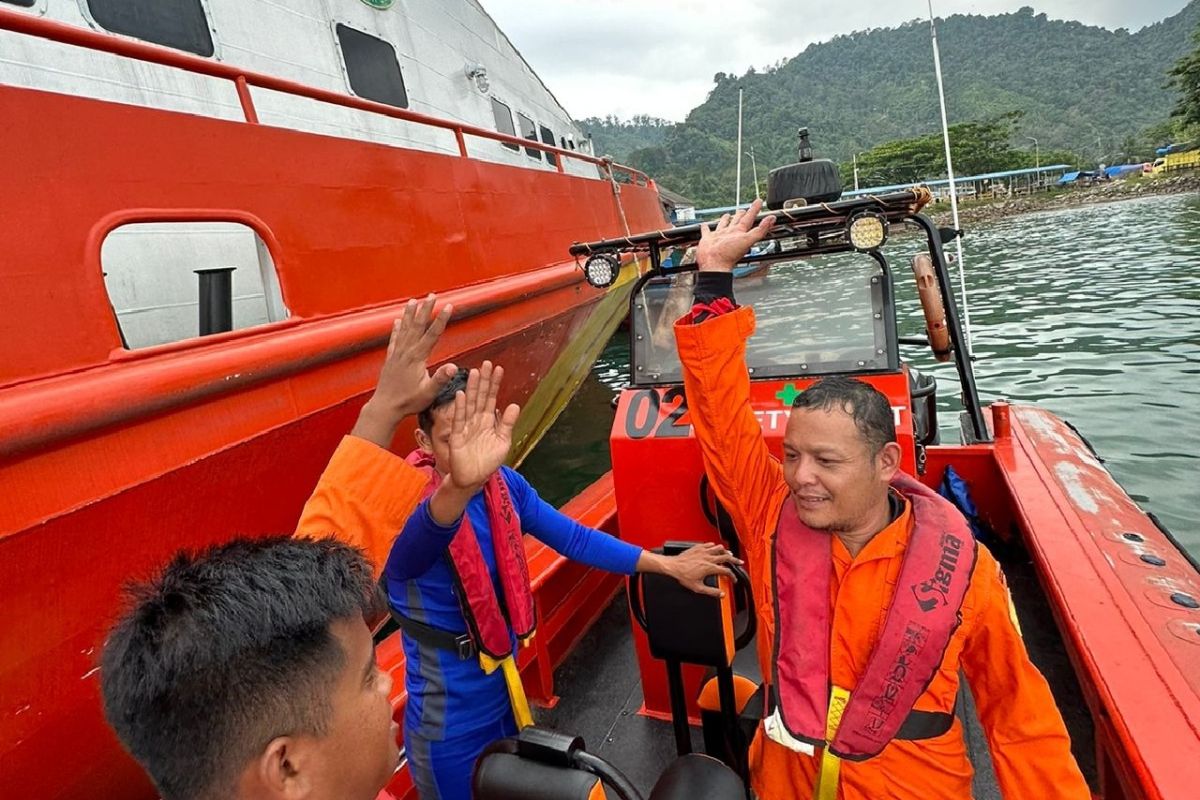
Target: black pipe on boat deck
[[216, 300], [679, 715]]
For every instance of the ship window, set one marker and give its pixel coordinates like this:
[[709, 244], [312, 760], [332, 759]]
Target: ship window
[[180, 24], [25, 3], [154, 290], [548, 138], [504, 123], [529, 131], [372, 67]]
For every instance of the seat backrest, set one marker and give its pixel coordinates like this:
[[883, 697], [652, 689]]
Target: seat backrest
[[696, 776], [508, 776], [686, 627]]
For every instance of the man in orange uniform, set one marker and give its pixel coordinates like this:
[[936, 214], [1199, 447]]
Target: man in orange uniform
[[849, 524]]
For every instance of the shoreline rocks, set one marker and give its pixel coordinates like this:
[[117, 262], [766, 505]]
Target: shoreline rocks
[[1102, 193]]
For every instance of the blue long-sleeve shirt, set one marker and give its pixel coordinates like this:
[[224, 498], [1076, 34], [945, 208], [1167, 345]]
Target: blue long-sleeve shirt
[[447, 694]]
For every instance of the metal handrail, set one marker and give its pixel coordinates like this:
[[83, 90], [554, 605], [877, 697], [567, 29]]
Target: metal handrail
[[25, 23]]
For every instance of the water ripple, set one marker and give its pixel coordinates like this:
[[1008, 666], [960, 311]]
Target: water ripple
[[1094, 313]]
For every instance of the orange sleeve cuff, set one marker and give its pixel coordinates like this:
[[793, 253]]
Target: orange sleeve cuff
[[720, 333], [364, 497]]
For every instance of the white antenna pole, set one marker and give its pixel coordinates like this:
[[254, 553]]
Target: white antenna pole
[[738, 192], [754, 166], [962, 280]]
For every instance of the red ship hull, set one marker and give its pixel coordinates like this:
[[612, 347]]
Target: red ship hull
[[113, 460]]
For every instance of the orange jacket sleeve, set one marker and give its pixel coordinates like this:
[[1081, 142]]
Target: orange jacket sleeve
[[1030, 748], [748, 480], [364, 497]]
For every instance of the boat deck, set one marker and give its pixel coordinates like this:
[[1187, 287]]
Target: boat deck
[[601, 693]]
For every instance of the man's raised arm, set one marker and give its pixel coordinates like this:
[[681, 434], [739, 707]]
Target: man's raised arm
[[367, 492], [712, 349]]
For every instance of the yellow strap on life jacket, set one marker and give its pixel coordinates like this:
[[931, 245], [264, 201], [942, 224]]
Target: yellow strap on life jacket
[[827, 778], [516, 690]]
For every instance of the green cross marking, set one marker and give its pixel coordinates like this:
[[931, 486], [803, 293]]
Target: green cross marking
[[788, 394], [382, 5]]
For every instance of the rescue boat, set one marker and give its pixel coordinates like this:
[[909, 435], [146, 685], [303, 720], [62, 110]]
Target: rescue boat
[[1108, 601], [213, 211]]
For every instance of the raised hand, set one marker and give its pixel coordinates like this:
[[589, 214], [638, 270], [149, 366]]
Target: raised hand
[[405, 384], [725, 244], [479, 437]]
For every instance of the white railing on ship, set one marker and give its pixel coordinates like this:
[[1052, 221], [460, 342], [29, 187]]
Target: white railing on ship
[[20, 22]]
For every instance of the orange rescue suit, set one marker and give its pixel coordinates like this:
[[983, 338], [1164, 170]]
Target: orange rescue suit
[[364, 497], [1028, 741]]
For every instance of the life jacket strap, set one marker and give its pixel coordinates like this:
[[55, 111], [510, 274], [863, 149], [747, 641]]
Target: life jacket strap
[[920, 725], [516, 689], [458, 643], [831, 765]]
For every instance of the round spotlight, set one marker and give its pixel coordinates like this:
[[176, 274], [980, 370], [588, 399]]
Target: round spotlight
[[867, 231], [601, 270]]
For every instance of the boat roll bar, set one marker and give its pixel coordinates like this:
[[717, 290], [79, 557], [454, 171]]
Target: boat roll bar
[[825, 228], [895, 206]]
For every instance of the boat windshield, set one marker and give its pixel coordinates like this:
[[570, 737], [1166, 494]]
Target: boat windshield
[[817, 316]]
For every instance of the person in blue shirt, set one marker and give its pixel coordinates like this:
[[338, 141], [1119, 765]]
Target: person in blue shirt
[[455, 708]]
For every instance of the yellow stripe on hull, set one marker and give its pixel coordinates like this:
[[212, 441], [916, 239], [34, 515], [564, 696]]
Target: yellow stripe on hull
[[573, 363]]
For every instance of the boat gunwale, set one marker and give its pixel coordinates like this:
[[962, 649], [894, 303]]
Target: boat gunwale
[[1090, 647]]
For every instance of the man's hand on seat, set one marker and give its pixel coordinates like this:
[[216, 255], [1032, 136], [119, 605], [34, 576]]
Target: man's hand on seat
[[725, 244]]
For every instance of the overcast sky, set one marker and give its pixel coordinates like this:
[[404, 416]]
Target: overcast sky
[[658, 57]]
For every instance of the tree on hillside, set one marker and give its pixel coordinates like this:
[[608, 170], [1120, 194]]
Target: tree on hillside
[[977, 147], [1185, 76], [618, 138]]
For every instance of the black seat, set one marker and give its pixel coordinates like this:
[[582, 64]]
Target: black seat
[[684, 627], [692, 777], [508, 776], [543, 765]]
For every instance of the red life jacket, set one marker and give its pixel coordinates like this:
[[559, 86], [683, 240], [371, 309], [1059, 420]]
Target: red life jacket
[[924, 614], [473, 584]]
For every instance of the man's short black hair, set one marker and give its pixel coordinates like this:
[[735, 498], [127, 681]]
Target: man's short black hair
[[445, 397], [227, 649], [870, 409]]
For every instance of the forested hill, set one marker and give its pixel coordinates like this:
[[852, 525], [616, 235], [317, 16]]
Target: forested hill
[[1081, 88], [621, 137]]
